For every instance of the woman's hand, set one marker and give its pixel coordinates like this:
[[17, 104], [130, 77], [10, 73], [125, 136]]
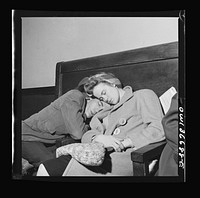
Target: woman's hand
[[127, 143], [110, 141]]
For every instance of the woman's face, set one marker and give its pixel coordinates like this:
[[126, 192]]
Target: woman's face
[[107, 93]]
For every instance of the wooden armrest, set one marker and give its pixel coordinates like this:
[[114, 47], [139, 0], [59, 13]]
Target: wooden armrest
[[143, 156], [148, 152]]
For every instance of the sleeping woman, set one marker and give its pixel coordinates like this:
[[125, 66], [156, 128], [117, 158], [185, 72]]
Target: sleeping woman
[[133, 122]]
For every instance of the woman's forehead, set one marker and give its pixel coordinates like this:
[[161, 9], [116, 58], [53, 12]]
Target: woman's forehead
[[96, 102], [98, 88]]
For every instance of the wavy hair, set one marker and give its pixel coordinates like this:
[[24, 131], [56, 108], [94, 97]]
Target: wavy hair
[[107, 78]]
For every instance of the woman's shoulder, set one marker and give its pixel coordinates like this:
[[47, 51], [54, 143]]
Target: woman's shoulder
[[71, 95], [145, 92], [75, 91]]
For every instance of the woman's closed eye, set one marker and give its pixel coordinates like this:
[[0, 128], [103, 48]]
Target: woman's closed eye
[[100, 103], [103, 92], [102, 97]]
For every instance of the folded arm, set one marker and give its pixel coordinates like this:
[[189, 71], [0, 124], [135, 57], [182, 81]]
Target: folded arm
[[73, 117]]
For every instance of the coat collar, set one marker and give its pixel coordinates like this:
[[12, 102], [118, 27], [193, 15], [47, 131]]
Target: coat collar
[[127, 95], [108, 109]]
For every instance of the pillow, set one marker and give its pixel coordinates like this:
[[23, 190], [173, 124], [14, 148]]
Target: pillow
[[91, 154]]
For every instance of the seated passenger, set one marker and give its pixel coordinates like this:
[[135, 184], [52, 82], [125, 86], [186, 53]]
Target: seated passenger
[[133, 121], [168, 163], [66, 116]]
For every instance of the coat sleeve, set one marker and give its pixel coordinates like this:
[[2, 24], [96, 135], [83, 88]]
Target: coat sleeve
[[72, 113], [96, 129], [87, 137], [96, 125], [148, 105]]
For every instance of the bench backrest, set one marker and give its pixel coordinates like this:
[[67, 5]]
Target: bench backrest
[[154, 67]]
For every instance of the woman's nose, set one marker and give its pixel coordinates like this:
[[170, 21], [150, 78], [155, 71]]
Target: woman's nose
[[105, 98]]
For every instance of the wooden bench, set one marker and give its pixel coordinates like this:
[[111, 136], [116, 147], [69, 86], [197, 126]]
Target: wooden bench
[[154, 67]]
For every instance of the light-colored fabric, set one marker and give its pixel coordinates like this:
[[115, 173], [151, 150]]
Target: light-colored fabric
[[166, 98], [74, 168], [42, 171], [137, 116], [108, 168], [91, 154]]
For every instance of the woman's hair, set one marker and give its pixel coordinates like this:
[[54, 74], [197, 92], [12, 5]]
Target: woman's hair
[[81, 84], [107, 78]]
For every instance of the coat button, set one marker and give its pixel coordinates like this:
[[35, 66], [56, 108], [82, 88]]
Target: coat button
[[116, 131], [122, 121]]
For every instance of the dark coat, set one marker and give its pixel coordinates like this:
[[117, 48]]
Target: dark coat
[[63, 116], [168, 164]]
